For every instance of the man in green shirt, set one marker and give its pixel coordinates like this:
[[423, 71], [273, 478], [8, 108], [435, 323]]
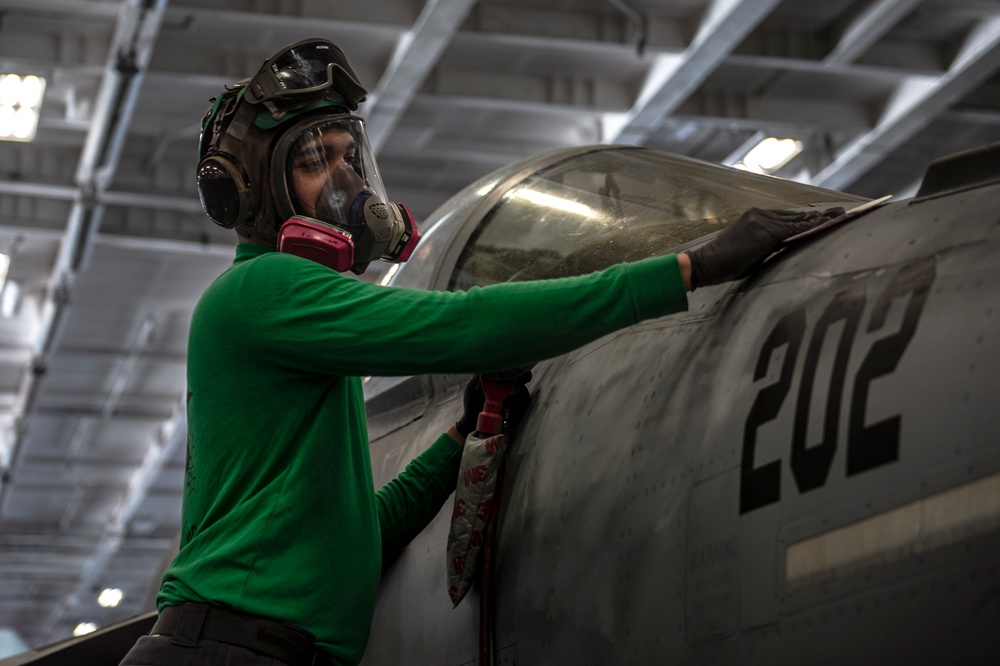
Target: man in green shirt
[[284, 534]]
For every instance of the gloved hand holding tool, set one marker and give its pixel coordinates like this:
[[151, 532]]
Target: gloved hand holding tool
[[472, 400], [492, 407], [747, 242], [508, 398]]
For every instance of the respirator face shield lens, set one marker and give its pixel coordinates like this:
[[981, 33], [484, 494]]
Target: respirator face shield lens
[[328, 172], [324, 170], [302, 73]]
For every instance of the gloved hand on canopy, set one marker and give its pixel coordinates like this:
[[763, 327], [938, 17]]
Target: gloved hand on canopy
[[748, 241]]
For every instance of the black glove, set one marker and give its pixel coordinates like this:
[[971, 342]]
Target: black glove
[[514, 406], [748, 241], [473, 400]]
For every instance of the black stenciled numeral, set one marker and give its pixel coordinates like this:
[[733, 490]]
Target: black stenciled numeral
[[868, 446], [811, 464], [878, 443], [762, 485]]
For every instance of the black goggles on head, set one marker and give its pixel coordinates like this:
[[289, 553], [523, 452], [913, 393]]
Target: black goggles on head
[[301, 73]]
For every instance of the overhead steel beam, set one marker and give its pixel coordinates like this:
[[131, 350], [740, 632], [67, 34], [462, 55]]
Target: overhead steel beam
[[70, 545], [104, 8], [416, 54], [158, 246], [258, 21], [917, 100], [240, 22], [868, 27], [131, 49], [106, 198], [152, 201], [553, 44], [136, 414], [41, 190], [57, 70], [672, 79], [862, 70]]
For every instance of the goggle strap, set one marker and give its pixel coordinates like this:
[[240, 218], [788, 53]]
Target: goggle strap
[[255, 88], [241, 122], [212, 124]]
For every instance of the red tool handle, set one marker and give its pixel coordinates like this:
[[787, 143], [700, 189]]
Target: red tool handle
[[491, 418]]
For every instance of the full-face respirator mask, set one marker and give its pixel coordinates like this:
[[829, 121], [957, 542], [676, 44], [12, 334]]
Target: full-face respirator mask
[[283, 147]]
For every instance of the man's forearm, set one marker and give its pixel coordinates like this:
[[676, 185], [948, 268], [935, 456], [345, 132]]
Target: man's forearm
[[684, 262], [456, 435]]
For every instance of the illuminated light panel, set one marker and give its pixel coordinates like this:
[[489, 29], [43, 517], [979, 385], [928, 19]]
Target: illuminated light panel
[[10, 291], [770, 155], [84, 628], [10, 298], [20, 102], [895, 535], [110, 597], [4, 267]]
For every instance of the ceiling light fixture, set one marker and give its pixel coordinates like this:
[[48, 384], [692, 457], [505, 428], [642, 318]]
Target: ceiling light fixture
[[84, 628], [770, 155], [20, 103], [110, 597], [10, 299], [4, 267]]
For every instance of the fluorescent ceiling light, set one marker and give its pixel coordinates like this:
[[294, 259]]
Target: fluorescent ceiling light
[[10, 291], [20, 102], [4, 267], [770, 155], [10, 297], [110, 597], [84, 628]]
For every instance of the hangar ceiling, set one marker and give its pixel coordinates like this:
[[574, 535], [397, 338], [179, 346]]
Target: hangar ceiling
[[110, 251]]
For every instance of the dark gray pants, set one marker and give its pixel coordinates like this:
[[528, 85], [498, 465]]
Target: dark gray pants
[[164, 651], [185, 647]]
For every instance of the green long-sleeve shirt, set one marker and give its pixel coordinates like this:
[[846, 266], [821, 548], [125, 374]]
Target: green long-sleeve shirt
[[280, 516]]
